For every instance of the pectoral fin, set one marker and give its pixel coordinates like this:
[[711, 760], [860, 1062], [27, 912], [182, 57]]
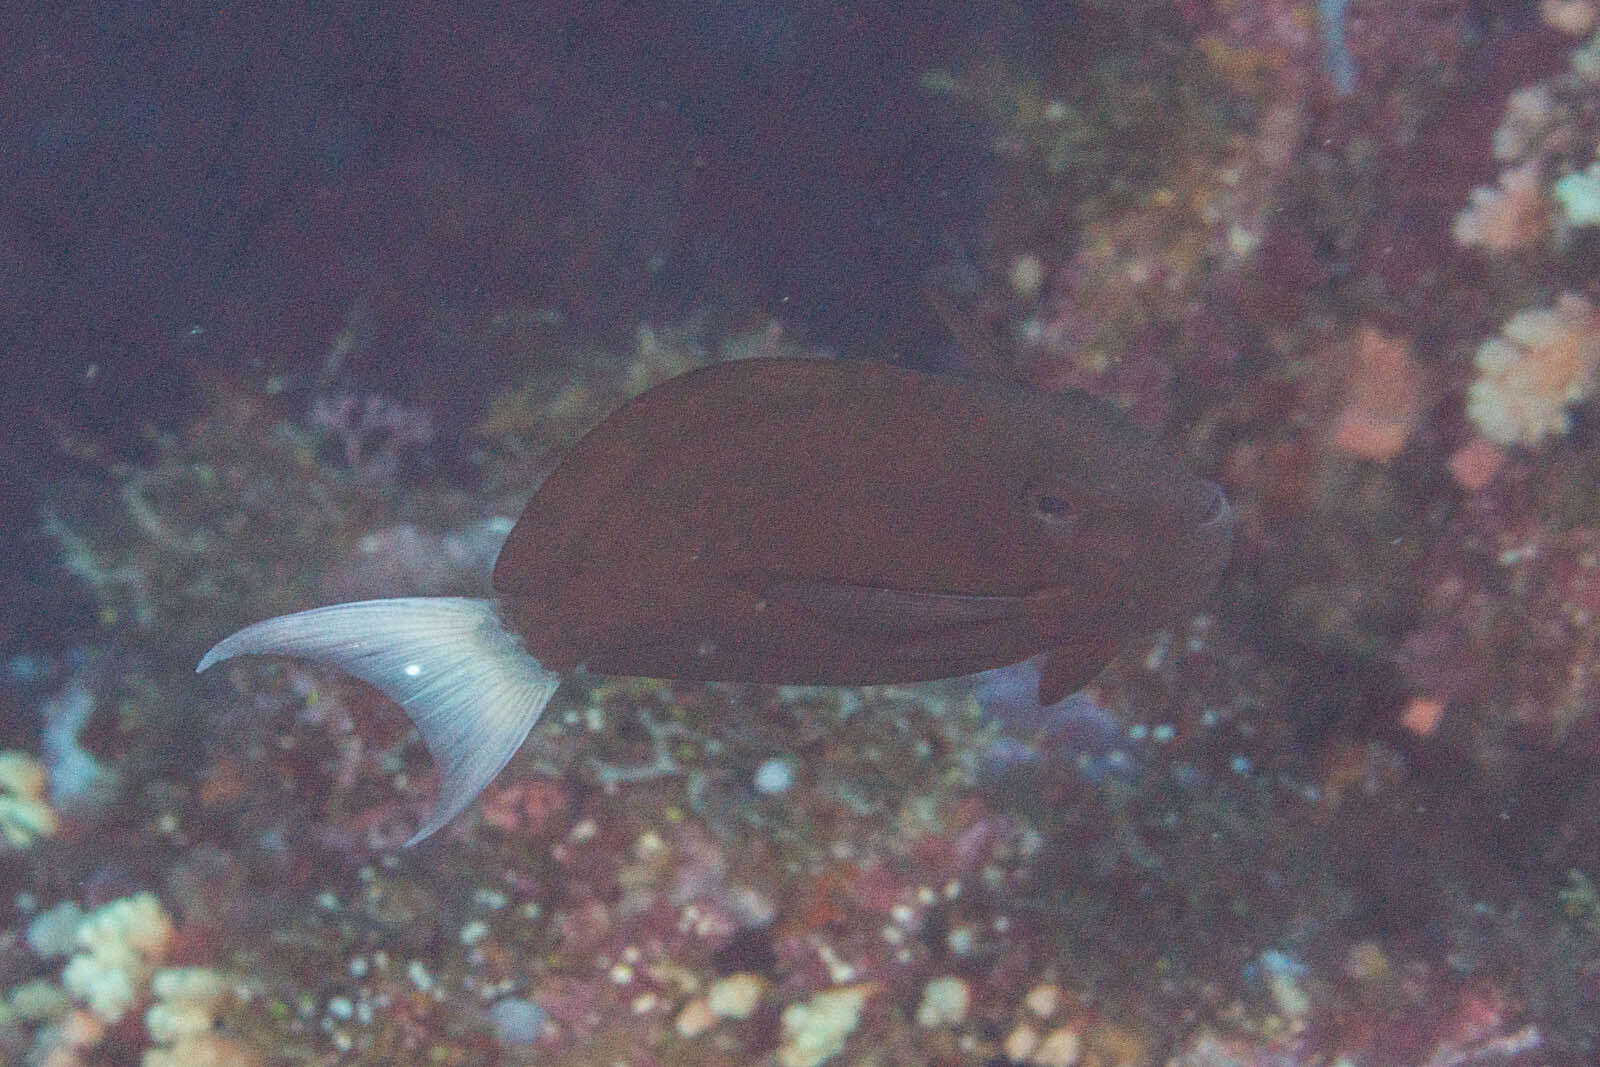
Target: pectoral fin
[[893, 611]]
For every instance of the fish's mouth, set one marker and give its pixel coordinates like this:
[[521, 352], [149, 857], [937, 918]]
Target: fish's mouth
[[1215, 532], [1215, 510]]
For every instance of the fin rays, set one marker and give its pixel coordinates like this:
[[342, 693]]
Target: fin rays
[[469, 686]]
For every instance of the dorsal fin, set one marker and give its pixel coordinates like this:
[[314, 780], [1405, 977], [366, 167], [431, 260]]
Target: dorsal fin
[[985, 357]]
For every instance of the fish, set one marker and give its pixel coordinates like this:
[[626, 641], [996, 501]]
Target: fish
[[793, 521]]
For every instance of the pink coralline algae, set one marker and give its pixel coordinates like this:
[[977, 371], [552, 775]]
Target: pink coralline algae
[[1382, 396], [1119, 317], [528, 807]]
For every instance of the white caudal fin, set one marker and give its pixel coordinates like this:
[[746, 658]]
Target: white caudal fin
[[469, 685]]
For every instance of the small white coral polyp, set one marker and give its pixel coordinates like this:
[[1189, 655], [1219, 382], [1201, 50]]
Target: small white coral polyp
[[1543, 362]]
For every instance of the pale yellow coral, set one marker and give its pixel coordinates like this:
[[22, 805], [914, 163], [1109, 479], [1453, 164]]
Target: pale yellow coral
[[37, 1001], [945, 1002], [1060, 1048], [734, 997], [120, 945], [21, 774], [1530, 111], [25, 816], [1507, 216], [1543, 361], [1573, 17], [1579, 196], [63, 1043], [182, 1022]]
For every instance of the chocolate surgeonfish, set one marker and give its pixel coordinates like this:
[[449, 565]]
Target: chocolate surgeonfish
[[793, 521]]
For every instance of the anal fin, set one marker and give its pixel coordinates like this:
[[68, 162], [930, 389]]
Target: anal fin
[[1068, 669]]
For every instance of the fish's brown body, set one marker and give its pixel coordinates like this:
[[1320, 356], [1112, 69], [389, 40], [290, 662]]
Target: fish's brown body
[[815, 522], [793, 521]]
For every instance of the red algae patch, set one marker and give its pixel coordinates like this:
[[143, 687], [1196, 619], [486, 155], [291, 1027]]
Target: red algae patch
[[1422, 715], [1475, 464]]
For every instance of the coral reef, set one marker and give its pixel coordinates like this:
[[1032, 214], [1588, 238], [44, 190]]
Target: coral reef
[[1547, 135], [1340, 256], [87, 1018]]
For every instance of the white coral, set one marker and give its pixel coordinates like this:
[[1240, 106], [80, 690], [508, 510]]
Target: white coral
[[815, 1031], [1543, 361]]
